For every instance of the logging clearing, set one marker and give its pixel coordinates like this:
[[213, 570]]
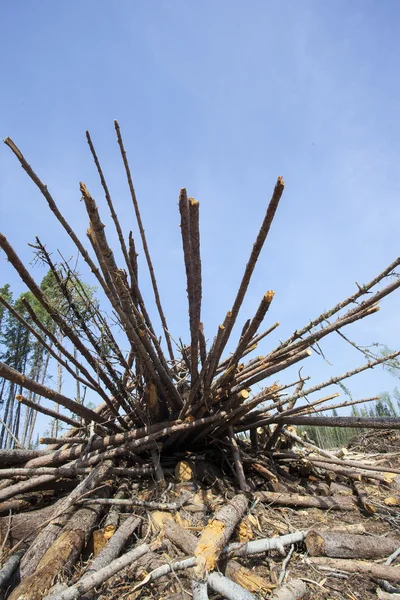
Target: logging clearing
[[186, 480]]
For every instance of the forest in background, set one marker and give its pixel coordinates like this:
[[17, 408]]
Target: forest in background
[[22, 350]]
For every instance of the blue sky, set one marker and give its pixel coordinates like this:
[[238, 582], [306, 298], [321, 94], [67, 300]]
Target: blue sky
[[219, 97]]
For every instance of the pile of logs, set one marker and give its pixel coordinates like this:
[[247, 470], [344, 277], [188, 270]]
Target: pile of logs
[[171, 418], [137, 538]]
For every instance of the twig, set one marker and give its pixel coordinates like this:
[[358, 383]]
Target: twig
[[144, 241], [284, 565]]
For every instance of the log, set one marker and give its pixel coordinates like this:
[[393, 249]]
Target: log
[[62, 554], [48, 412], [24, 525], [237, 549], [349, 472], [172, 506], [294, 590], [113, 548], [13, 457], [62, 512], [355, 464], [135, 437], [247, 578], [112, 520], [25, 502], [357, 422], [228, 588], [146, 563], [200, 470], [94, 580], [20, 379], [265, 544], [8, 569], [329, 503], [357, 566], [342, 545], [24, 486], [217, 533], [238, 462], [16, 473], [187, 542], [185, 470], [159, 473], [266, 474], [363, 498], [199, 590]]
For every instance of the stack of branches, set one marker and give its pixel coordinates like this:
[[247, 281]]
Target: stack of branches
[[156, 406]]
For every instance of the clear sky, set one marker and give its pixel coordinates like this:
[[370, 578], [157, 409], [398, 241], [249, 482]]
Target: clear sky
[[220, 97]]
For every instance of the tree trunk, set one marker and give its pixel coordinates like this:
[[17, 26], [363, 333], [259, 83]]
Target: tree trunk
[[360, 567], [62, 512], [187, 542], [341, 545], [328, 503], [217, 534], [62, 554], [294, 590], [23, 526]]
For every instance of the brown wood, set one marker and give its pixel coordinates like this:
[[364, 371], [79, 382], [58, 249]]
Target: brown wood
[[185, 470], [357, 422], [48, 412], [155, 404], [363, 498], [217, 534], [25, 486], [144, 241], [113, 547], [357, 475], [347, 545], [266, 474], [355, 464], [293, 590], [238, 462], [23, 525], [255, 253], [63, 510], [13, 457], [187, 542], [358, 566], [25, 502], [62, 554], [329, 503]]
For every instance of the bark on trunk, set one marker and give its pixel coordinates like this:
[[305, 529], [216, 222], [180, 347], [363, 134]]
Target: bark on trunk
[[341, 545], [61, 555], [217, 533], [13, 457], [358, 566], [23, 526], [294, 590], [9, 568], [358, 422], [328, 503], [113, 548], [96, 579], [62, 512], [187, 542]]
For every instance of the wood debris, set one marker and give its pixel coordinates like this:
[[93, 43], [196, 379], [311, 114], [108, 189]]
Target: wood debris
[[146, 494]]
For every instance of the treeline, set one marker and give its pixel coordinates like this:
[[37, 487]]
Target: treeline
[[21, 350], [336, 437]]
